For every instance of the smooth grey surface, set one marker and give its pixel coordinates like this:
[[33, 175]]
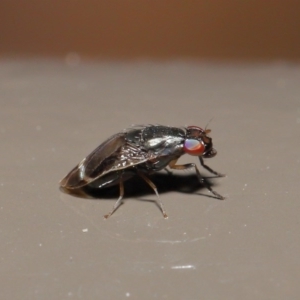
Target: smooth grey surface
[[56, 246]]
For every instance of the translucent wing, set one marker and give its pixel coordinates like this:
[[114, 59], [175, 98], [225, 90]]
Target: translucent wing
[[113, 155]]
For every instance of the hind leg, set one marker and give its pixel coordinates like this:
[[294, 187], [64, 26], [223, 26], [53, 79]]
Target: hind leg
[[152, 185], [117, 204]]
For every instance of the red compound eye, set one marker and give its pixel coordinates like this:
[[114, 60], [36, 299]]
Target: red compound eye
[[193, 147]]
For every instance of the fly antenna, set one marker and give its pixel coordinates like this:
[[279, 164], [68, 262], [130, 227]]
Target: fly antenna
[[208, 130]]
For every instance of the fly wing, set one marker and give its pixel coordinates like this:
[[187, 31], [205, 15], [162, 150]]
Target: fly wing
[[88, 169], [113, 155]]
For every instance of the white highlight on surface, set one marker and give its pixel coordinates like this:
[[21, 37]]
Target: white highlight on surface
[[85, 230], [184, 267], [181, 241], [127, 294]]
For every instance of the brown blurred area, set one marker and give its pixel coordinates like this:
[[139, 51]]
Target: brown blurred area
[[127, 29]]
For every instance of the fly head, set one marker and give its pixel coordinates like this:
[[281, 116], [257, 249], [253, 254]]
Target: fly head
[[198, 143]]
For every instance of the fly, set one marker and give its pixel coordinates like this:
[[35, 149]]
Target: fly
[[142, 150]]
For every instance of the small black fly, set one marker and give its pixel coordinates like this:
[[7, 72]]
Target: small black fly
[[141, 150]]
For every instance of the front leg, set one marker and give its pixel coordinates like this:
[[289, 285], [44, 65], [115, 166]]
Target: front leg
[[173, 165], [208, 168]]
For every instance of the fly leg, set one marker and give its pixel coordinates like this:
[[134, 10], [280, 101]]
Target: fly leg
[[117, 204], [173, 165], [152, 185], [168, 171], [208, 168]]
